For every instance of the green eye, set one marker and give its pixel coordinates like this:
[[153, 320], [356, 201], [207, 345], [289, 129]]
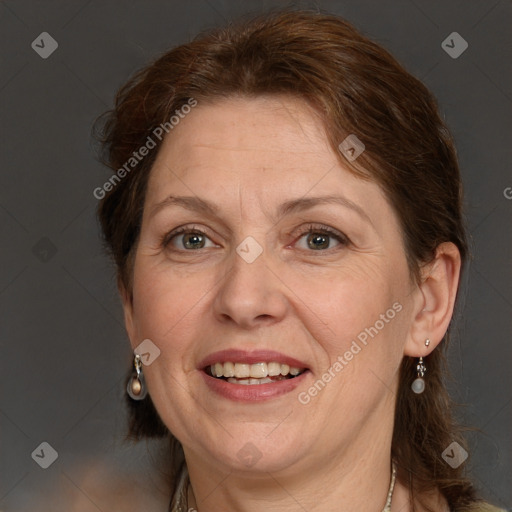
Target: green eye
[[318, 241], [187, 239], [193, 241], [320, 238]]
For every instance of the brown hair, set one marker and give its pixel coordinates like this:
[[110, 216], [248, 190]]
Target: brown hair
[[356, 87]]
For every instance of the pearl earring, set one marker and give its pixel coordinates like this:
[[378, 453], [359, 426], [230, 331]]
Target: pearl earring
[[136, 387], [418, 385]]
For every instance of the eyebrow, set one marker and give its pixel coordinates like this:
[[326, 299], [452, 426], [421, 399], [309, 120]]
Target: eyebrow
[[191, 203], [206, 207], [305, 203]]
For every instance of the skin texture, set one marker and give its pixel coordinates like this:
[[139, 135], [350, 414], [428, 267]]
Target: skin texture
[[248, 156]]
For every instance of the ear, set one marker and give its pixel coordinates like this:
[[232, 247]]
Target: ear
[[127, 302], [434, 300]]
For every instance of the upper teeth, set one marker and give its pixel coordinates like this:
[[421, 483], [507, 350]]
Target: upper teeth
[[256, 371]]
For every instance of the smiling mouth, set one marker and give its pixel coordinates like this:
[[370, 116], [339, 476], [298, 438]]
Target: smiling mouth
[[251, 374]]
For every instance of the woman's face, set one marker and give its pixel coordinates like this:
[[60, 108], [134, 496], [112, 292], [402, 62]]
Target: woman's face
[[265, 269]]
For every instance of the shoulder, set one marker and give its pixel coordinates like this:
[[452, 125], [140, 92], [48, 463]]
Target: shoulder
[[481, 506]]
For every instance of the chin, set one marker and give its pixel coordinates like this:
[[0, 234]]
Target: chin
[[247, 453]]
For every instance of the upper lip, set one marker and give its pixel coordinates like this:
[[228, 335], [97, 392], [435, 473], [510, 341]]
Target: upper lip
[[250, 357]]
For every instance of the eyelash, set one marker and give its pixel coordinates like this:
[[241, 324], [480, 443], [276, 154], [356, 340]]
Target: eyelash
[[166, 240], [316, 229], [324, 230]]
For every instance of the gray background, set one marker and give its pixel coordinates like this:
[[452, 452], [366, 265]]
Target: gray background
[[64, 352]]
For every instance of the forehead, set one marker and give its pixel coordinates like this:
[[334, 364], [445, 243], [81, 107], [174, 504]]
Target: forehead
[[264, 128], [259, 149]]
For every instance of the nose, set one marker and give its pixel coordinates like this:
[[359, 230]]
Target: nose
[[251, 293]]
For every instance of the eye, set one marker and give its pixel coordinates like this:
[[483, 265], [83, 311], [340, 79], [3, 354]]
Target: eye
[[322, 238], [188, 239]]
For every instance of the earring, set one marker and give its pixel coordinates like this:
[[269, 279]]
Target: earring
[[418, 386], [136, 387], [427, 342]]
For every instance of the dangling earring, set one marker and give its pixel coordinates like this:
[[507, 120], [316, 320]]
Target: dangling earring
[[136, 387], [418, 386]]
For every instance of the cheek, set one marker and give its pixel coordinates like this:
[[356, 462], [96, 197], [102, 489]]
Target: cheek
[[332, 305], [342, 302], [166, 305]]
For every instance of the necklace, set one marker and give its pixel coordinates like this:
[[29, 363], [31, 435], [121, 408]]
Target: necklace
[[179, 502], [387, 508]]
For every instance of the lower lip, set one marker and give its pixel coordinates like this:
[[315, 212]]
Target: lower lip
[[253, 392]]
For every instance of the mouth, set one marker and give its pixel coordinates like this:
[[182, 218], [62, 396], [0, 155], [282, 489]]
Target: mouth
[[250, 374], [245, 376]]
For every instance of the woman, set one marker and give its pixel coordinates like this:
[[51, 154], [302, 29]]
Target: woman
[[285, 217]]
